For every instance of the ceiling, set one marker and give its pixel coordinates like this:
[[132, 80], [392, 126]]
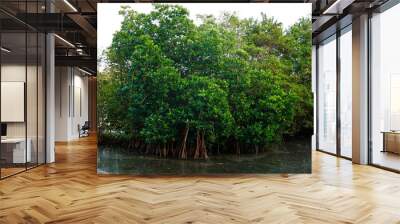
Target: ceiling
[[75, 22]]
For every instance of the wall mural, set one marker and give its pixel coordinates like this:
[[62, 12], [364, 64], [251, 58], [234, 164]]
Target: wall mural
[[217, 92]]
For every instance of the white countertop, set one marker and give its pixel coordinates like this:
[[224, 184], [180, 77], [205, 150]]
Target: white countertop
[[13, 140]]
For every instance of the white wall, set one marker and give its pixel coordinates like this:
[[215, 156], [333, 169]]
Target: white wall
[[71, 94], [314, 90], [33, 126], [80, 109], [62, 82], [16, 73]]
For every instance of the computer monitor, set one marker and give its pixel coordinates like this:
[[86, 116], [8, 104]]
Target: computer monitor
[[3, 129]]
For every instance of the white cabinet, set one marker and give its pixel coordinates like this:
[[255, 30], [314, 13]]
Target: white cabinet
[[19, 155]]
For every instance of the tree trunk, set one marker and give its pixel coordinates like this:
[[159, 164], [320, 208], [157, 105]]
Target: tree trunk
[[138, 145], [170, 150], [256, 149], [201, 150], [158, 152], [237, 148], [142, 147], [198, 142], [183, 151], [204, 154]]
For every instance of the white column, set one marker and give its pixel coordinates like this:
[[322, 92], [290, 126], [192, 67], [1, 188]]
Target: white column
[[360, 90], [50, 99], [314, 90], [62, 103]]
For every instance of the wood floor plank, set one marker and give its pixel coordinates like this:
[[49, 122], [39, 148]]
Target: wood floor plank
[[70, 191]]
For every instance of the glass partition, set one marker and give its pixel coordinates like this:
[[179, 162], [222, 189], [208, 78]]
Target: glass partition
[[22, 77], [327, 95], [41, 91], [14, 153], [346, 92], [385, 89], [31, 99]]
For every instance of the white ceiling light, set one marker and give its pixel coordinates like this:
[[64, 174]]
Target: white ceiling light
[[5, 50], [65, 41], [86, 72], [79, 51], [338, 6], [70, 5]]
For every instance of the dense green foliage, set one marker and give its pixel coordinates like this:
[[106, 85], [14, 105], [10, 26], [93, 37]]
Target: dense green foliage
[[174, 88]]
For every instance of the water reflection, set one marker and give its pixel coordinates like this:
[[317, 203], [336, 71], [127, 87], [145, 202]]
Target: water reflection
[[290, 157]]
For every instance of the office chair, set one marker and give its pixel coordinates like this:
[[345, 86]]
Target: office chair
[[84, 130]]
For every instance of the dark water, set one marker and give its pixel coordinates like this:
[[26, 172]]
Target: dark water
[[289, 157]]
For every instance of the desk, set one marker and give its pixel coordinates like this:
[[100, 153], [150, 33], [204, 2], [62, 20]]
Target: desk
[[15, 148], [391, 141]]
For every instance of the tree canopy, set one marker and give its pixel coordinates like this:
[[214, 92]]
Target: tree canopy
[[175, 88]]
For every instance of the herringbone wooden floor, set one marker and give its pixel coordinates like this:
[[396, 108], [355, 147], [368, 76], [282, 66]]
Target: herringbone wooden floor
[[70, 191]]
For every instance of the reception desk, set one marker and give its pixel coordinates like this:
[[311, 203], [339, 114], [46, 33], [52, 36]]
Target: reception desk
[[13, 150], [391, 141]]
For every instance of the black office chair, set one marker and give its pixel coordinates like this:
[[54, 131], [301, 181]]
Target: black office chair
[[84, 130]]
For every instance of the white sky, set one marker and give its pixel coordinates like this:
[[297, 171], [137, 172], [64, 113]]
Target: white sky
[[109, 21]]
